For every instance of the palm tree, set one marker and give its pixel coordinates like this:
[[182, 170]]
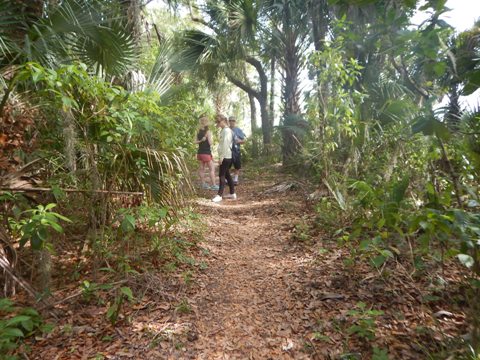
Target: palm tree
[[291, 35], [235, 25], [462, 61], [319, 13]]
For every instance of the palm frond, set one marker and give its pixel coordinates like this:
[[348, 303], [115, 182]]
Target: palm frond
[[161, 77], [75, 29], [163, 177], [243, 19], [11, 27], [110, 50]]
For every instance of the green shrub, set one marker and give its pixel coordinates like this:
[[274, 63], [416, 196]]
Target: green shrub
[[17, 323]]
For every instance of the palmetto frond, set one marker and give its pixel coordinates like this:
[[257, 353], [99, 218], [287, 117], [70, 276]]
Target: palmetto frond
[[78, 29], [75, 29], [243, 19], [110, 50], [161, 76], [202, 54], [163, 175], [197, 48], [391, 100]]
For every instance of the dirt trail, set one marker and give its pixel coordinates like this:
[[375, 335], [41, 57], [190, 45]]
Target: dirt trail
[[245, 309], [255, 287], [270, 290], [246, 301]]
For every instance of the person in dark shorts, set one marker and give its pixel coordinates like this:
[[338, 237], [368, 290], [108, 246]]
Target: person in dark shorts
[[204, 154], [239, 138]]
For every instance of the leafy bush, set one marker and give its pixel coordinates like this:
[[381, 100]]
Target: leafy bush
[[35, 228], [17, 323]]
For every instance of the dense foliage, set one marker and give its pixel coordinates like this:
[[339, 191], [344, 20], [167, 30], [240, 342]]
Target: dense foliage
[[91, 113]]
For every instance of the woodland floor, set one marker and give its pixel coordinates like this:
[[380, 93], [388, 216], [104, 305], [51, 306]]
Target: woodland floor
[[257, 289]]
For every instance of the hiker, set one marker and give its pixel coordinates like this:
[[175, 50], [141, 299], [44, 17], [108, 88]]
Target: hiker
[[204, 153], [224, 159], [239, 138]]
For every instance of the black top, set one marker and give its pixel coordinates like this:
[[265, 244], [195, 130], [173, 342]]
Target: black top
[[204, 146]]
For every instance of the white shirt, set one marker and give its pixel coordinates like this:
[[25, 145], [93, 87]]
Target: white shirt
[[225, 144]]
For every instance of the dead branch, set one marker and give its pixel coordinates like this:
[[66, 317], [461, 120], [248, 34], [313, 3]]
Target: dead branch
[[133, 193]]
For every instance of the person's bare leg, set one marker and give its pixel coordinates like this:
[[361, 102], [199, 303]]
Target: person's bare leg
[[211, 167], [235, 173], [201, 173]]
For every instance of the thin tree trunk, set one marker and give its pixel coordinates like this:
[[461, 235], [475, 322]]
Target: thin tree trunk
[[319, 18], [452, 173], [253, 123], [261, 96], [253, 112], [262, 99], [70, 139], [44, 261], [272, 91]]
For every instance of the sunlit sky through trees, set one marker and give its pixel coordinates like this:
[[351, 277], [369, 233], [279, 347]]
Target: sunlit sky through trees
[[462, 16]]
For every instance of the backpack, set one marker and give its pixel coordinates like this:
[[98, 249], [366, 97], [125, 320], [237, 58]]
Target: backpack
[[235, 149]]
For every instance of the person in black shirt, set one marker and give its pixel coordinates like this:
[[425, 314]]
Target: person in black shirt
[[204, 153]]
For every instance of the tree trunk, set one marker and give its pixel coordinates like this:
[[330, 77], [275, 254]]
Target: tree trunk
[[132, 11], [272, 91], [319, 18], [253, 124], [319, 12], [70, 141], [291, 95], [454, 112], [29, 11], [261, 96], [253, 113], [44, 261], [219, 102], [262, 100]]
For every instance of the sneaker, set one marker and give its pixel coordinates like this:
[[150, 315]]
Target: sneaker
[[214, 187], [230, 196], [217, 199], [205, 186]]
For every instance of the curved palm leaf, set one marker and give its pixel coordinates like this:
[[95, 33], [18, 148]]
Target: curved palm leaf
[[75, 29], [161, 76], [164, 177]]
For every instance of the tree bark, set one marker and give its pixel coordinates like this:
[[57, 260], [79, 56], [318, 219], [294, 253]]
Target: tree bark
[[272, 91], [319, 18], [291, 63], [261, 96], [132, 10], [253, 113], [454, 112], [70, 141], [262, 99], [253, 124], [44, 261]]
